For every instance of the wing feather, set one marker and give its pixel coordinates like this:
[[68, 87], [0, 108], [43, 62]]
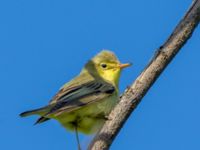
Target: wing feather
[[81, 95]]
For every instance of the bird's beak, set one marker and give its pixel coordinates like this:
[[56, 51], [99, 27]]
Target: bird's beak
[[122, 66]]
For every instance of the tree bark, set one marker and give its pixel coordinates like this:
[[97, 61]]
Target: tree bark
[[133, 94]]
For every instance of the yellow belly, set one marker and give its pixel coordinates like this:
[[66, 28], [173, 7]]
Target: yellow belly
[[89, 118]]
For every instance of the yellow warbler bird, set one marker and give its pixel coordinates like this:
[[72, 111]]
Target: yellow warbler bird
[[82, 104]]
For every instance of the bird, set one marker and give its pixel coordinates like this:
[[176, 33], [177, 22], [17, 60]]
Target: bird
[[83, 104]]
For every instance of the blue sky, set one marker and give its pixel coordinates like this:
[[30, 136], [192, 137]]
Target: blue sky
[[44, 43]]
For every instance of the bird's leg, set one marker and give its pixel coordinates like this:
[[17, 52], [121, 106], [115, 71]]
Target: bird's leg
[[106, 117], [77, 137], [103, 116]]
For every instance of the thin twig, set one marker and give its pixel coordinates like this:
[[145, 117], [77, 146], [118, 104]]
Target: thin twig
[[77, 137], [133, 95]]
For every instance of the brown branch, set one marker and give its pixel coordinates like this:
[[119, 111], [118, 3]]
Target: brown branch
[[133, 95]]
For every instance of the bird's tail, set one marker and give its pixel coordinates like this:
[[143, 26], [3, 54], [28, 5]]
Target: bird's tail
[[39, 111]]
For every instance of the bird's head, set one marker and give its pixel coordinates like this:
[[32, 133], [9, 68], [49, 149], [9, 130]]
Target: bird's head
[[106, 66]]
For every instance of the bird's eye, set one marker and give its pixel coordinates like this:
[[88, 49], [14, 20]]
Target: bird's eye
[[103, 65]]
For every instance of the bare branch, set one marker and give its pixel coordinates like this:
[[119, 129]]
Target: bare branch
[[133, 95]]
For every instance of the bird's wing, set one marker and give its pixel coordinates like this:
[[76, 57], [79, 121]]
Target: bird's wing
[[77, 96]]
